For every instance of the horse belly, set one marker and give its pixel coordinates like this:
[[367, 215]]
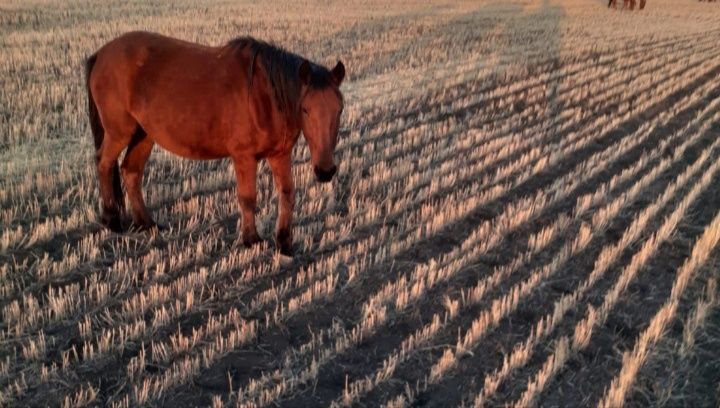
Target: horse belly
[[192, 129], [189, 142], [198, 148]]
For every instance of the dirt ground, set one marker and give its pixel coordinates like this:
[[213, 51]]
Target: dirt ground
[[510, 174]]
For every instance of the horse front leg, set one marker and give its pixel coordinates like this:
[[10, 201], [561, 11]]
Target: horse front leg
[[285, 189], [246, 173]]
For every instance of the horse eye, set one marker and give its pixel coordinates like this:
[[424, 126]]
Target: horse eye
[[304, 111]]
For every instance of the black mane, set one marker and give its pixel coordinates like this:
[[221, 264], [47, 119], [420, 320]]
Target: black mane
[[283, 71]]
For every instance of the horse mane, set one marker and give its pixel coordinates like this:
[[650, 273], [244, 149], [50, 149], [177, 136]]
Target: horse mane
[[283, 71]]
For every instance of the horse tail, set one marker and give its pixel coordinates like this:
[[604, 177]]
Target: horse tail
[[95, 123], [97, 128]]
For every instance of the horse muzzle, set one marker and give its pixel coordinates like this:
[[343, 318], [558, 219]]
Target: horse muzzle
[[324, 176]]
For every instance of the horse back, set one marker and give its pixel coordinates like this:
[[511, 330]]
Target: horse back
[[182, 94], [127, 64]]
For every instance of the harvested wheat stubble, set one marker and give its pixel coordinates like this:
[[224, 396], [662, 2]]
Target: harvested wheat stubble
[[510, 175]]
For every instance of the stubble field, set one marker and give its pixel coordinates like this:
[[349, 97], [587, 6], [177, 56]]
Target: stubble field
[[526, 212]]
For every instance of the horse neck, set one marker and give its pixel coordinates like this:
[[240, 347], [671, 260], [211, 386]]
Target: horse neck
[[289, 135], [270, 119], [282, 122], [286, 130]]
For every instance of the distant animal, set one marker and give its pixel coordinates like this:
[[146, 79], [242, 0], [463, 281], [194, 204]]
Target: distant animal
[[627, 4], [247, 100]]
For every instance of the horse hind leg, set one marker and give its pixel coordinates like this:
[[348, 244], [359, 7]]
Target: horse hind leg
[[133, 166], [117, 135], [246, 173]]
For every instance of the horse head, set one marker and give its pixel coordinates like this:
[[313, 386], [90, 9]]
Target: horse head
[[321, 104]]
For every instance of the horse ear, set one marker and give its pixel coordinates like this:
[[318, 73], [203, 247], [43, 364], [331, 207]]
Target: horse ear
[[304, 72], [338, 72]]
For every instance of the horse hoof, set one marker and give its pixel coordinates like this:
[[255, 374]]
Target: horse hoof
[[113, 224], [250, 241], [283, 240], [286, 251]]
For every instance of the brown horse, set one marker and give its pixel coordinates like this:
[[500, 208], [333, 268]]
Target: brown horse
[[247, 100]]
